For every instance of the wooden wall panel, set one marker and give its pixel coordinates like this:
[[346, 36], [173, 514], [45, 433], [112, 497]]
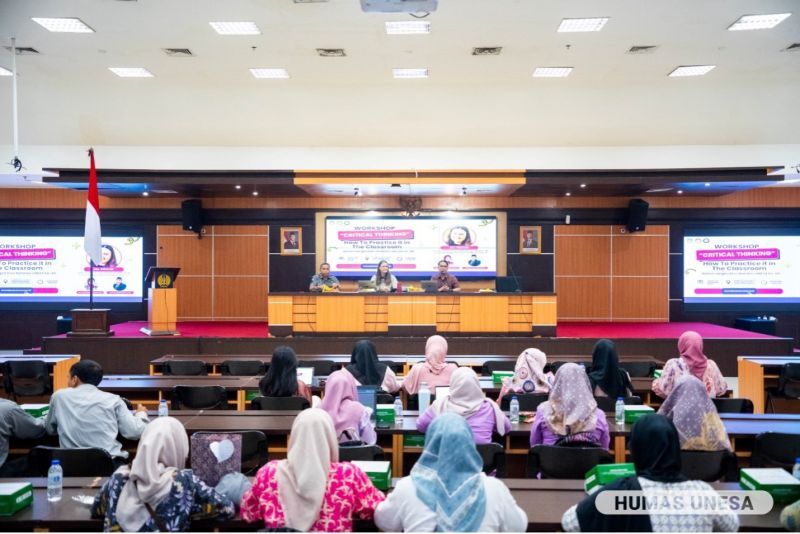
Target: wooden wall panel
[[240, 255], [582, 255], [635, 255], [584, 299], [640, 299], [240, 298], [192, 255], [580, 229], [194, 298]]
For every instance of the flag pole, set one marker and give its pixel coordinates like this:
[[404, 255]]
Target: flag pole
[[91, 285]]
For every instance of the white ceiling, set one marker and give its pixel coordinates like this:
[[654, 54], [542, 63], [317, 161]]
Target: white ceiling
[[69, 97]]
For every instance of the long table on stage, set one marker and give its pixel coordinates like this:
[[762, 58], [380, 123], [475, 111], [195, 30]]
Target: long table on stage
[[414, 314]]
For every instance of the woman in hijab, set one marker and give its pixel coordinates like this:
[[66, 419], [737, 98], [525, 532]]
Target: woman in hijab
[[281, 378], [695, 417], [467, 400], [368, 370], [351, 419], [607, 379], [529, 375], [691, 362], [311, 490], [571, 413], [434, 370], [156, 493], [447, 490], [657, 457]]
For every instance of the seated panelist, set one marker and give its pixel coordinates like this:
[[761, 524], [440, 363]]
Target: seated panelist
[[446, 281], [324, 279], [384, 280]]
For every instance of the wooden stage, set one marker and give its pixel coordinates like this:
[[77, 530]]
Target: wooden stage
[[129, 352]]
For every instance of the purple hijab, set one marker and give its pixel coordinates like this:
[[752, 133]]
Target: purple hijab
[[341, 402]]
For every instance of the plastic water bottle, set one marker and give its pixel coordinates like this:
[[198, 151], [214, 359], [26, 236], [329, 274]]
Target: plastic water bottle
[[398, 409], [796, 470], [619, 411], [514, 406], [55, 481], [163, 411], [424, 398]]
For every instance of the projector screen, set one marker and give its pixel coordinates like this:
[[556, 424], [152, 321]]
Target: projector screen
[[412, 246], [725, 267], [56, 269]]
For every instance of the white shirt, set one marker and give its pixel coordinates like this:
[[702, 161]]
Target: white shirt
[[403, 511]]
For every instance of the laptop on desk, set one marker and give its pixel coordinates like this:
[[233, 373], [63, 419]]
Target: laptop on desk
[[508, 284], [430, 286], [366, 285], [306, 374], [368, 396]]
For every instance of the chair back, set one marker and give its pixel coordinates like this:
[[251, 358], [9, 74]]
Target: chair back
[[709, 466], [609, 404], [775, 449], [397, 367], [288, 404], [565, 462], [27, 378], [321, 367], [185, 368], [494, 458], [528, 402], [199, 398], [789, 381], [83, 462], [638, 369], [254, 449], [497, 365], [733, 405], [364, 453], [243, 368], [412, 400], [382, 397]]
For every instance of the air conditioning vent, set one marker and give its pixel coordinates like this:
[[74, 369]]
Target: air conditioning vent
[[331, 52], [642, 49], [487, 50], [177, 52], [794, 47], [24, 50]]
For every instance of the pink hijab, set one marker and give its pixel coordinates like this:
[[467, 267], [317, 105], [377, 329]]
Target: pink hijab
[[690, 346], [466, 398], [435, 353], [341, 401], [434, 364], [571, 408]]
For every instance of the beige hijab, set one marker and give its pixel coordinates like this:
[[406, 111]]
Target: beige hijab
[[303, 476], [163, 449], [466, 398]]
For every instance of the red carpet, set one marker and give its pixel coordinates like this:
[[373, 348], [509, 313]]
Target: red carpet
[[200, 329], [651, 330]]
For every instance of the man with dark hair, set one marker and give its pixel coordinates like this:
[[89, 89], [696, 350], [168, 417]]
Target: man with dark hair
[[323, 279], [446, 281], [16, 423], [84, 416]]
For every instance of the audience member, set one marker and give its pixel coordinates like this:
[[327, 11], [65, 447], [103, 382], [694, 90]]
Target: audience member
[[468, 400], [311, 490], [434, 370], [607, 379], [695, 417], [16, 423], [447, 490], [156, 493], [571, 413], [693, 362], [655, 449], [84, 416], [351, 419], [281, 378], [529, 375], [368, 370]]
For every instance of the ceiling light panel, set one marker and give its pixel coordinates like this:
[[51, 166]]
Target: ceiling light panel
[[408, 27], [409, 73], [552, 72], [270, 73], [582, 25], [236, 28], [131, 72], [692, 70], [63, 25], [758, 22]]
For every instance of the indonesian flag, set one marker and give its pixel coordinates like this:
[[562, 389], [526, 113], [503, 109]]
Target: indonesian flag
[[91, 233]]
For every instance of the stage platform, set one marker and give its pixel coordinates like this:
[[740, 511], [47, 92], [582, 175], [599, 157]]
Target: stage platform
[[129, 351]]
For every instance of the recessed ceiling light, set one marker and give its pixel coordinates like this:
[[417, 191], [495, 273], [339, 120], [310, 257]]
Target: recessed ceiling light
[[270, 73], [707, 184], [408, 27], [692, 70], [410, 73], [552, 72], [131, 72], [255, 193], [236, 28], [145, 194], [583, 25], [67, 25], [238, 187], [5, 72], [569, 194], [680, 191], [583, 186], [758, 22]]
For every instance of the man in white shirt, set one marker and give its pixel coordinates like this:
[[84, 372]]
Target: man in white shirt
[[84, 416], [16, 423]]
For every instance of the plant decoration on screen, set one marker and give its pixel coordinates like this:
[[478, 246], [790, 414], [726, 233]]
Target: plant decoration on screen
[[746, 269], [530, 239], [291, 241], [41, 269], [413, 246]]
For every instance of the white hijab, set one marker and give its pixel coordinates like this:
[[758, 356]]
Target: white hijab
[[303, 476], [466, 398], [163, 449]]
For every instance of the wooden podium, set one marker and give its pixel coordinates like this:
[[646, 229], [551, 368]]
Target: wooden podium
[[162, 302]]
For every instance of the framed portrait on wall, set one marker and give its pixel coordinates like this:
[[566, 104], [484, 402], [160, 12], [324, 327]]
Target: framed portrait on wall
[[530, 239], [291, 241]]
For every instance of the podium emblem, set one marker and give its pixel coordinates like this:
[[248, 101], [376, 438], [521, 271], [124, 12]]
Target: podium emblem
[[164, 280]]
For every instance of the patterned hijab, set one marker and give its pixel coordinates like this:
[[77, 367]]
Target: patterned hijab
[[448, 476], [695, 417], [341, 401], [466, 398], [571, 408], [529, 376], [606, 373], [435, 353], [690, 346]]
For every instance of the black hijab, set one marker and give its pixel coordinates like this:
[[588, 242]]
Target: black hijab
[[656, 452], [364, 364], [606, 372]]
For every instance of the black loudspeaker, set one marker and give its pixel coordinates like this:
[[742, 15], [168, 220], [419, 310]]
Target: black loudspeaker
[[192, 214], [637, 215]]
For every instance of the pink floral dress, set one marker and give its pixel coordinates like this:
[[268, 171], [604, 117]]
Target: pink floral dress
[[349, 495]]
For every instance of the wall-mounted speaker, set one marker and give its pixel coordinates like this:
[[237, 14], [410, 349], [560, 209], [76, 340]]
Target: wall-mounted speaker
[[637, 215], [192, 215]]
